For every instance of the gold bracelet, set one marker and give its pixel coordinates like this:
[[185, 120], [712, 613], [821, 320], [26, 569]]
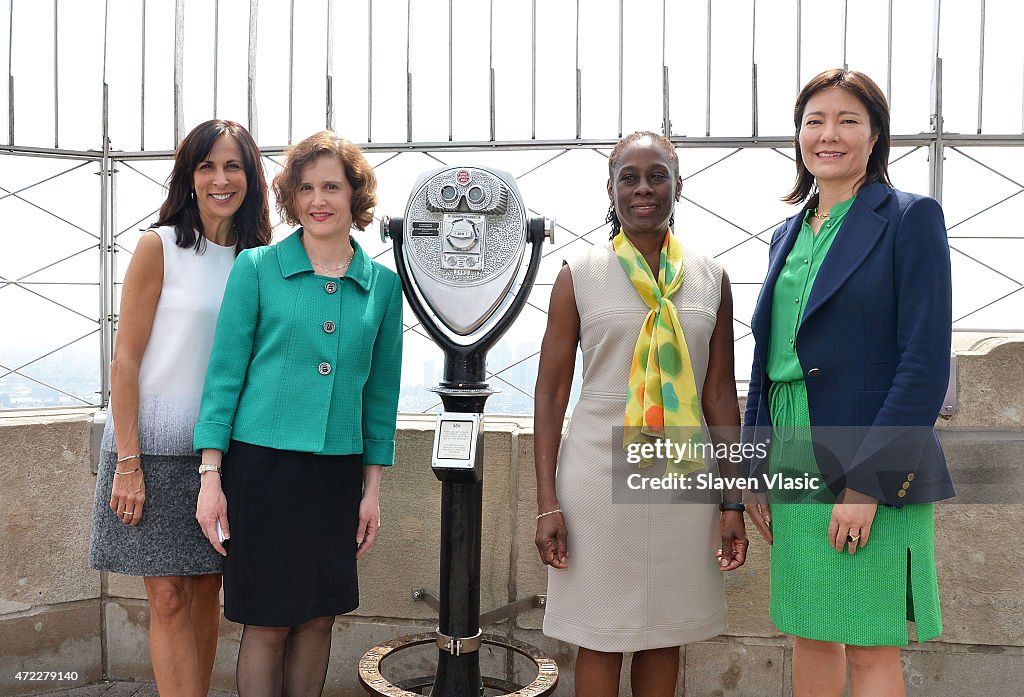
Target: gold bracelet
[[127, 472], [541, 515], [126, 458]]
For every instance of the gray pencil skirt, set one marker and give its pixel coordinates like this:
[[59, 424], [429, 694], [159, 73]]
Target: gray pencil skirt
[[168, 541]]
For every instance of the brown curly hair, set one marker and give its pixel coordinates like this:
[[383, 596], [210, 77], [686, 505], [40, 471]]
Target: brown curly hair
[[357, 170]]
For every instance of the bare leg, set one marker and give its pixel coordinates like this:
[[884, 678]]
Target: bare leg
[[172, 642], [819, 668], [206, 625], [260, 666], [306, 657], [597, 673], [875, 671], [654, 672]]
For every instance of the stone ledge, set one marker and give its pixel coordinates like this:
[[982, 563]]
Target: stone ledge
[[56, 638]]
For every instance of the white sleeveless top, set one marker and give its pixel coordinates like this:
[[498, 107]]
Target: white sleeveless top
[[174, 365]]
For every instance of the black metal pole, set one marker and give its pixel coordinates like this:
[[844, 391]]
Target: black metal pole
[[458, 675], [459, 611]]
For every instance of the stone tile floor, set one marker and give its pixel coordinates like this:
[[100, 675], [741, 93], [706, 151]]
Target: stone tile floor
[[117, 689]]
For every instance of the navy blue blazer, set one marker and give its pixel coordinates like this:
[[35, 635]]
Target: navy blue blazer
[[874, 346]]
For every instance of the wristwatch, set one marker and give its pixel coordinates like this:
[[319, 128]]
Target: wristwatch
[[203, 468]]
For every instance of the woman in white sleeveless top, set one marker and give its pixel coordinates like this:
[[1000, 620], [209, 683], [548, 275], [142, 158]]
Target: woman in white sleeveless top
[[629, 572], [144, 511]]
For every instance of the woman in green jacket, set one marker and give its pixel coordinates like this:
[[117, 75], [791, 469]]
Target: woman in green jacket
[[300, 400]]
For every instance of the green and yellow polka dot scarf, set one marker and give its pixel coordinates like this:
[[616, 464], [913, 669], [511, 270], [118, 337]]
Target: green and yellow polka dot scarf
[[662, 401]]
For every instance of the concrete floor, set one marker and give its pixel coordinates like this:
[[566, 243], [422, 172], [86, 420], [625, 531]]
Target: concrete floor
[[117, 689]]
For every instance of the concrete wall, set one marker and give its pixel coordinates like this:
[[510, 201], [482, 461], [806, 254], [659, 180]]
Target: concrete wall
[[57, 615]]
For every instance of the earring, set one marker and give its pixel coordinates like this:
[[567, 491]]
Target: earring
[[192, 194]]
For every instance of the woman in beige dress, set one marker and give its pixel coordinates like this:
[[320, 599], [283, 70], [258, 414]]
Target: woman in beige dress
[[627, 573]]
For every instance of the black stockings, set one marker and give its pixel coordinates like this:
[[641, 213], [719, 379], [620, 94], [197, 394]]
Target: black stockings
[[284, 661]]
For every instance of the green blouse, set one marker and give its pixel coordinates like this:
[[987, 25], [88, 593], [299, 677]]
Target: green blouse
[[793, 288]]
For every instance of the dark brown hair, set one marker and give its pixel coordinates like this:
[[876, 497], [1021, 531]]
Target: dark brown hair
[[613, 161], [873, 99], [251, 223], [358, 172]]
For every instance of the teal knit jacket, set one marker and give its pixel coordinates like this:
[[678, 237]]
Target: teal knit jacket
[[304, 362]]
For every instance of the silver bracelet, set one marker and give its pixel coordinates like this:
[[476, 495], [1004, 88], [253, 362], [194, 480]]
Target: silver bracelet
[[127, 471], [541, 515], [126, 458]]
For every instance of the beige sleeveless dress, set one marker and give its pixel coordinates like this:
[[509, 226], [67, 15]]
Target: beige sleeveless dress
[[641, 575]]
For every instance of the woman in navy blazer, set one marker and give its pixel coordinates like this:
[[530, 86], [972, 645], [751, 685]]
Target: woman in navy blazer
[[852, 336]]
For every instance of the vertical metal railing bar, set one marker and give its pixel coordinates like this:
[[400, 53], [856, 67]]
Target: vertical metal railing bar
[[329, 69], [533, 69], [56, 91], [707, 100], [579, 78], [753, 71], [291, 66], [490, 68], [216, 54], [981, 64], [621, 58], [142, 80], [846, 13], [666, 118], [888, 58], [451, 73], [250, 94], [936, 36], [10, 73], [936, 151], [106, 243], [115, 304], [369, 71], [179, 70], [408, 71], [799, 42]]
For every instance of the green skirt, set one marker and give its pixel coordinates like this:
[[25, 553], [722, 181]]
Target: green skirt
[[864, 599]]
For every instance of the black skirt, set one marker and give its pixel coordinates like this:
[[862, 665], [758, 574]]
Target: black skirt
[[293, 519]]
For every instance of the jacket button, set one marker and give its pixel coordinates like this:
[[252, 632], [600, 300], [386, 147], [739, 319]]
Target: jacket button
[[910, 477], [901, 493], [329, 327], [325, 368], [906, 485], [331, 287], [814, 372]]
